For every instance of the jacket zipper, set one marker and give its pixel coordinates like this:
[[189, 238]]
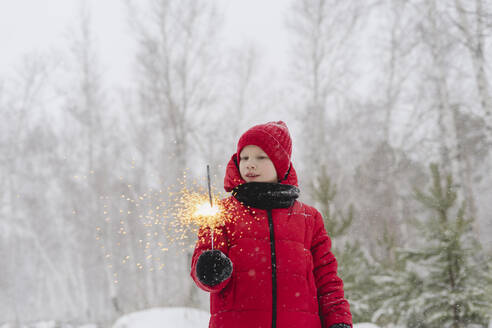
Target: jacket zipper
[[274, 270]]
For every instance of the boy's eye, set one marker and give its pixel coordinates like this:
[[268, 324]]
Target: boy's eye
[[262, 157], [244, 158]]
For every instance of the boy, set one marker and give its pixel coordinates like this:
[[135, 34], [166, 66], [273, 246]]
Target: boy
[[271, 265]]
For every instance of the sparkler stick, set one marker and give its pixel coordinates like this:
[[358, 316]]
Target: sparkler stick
[[210, 198], [209, 188]]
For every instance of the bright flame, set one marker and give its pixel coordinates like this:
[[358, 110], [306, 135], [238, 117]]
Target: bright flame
[[205, 209], [193, 208], [171, 216]]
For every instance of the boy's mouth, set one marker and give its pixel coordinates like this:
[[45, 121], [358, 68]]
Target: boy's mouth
[[252, 175]]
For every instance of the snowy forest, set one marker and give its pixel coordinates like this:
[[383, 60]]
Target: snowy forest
[[389, 103]]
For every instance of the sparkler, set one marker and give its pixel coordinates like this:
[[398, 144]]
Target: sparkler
[[207, 214], [201, 208], [172, 219], [210, 198]]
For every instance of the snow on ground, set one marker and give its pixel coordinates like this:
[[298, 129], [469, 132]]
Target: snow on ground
[[46, 324], [175, 317]]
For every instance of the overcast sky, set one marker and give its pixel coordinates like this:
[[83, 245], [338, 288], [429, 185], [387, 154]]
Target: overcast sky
[[28, 26]]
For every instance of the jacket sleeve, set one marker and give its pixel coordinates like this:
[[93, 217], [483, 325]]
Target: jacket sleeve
[[334, 308], [203, 244]]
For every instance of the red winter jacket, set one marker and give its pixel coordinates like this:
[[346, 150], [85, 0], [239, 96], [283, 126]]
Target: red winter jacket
[[305, 287]]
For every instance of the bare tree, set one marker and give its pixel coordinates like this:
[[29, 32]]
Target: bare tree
[[323, 42], [87, 116], [244, 64], [473, 31], [337, 128], [175, 67], [237, 105], [30, 151], [449, 31]]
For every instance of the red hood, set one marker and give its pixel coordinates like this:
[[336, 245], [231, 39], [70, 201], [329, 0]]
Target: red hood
[[233, 177]]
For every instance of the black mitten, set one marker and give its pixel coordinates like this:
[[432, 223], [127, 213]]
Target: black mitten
[[213, 267], [340, 325]]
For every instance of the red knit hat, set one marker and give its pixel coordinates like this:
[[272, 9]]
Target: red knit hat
[[274, 139]]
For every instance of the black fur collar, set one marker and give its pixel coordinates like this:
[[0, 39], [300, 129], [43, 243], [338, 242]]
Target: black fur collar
[[266, 195]]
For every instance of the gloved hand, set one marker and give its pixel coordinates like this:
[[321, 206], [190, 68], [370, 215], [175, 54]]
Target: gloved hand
[[340, 325], [213, 267]]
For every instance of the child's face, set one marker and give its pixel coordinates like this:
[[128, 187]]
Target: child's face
[[256, 166]]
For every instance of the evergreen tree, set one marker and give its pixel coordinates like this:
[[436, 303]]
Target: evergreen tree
[[447, 281], [354, 266], [324, 192]]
